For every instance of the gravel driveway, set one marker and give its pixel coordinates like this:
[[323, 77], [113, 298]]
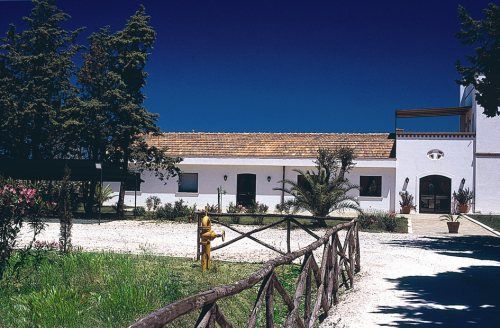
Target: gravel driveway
[[417, 281]]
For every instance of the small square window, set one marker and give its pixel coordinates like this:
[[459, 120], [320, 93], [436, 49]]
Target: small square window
[[370, 186], [188, 182]]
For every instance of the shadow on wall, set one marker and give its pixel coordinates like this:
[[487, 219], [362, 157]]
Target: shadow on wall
[[467, 298]]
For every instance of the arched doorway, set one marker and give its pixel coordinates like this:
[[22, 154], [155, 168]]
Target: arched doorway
[[245, 189], [435, 194]]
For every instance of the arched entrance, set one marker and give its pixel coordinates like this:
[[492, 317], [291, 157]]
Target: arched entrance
[[435, 194]]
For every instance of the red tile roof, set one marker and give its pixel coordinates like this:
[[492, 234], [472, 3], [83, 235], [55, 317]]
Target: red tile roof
[[271, 145]]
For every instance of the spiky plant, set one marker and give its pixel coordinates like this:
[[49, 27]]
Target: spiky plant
[[325, 189]]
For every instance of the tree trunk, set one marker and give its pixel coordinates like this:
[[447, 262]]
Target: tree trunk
[[90, 200], [120, 206]]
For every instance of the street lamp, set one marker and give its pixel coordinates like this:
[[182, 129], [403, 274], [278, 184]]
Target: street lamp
[[98, 166]]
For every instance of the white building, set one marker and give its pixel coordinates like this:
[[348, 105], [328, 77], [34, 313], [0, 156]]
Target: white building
[[430, 166]]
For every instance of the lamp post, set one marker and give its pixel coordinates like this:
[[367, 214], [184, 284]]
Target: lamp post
[[98, 166]]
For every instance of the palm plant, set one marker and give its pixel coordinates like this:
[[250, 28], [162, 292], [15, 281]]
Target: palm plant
[[451, 217], [325, 189], [103, 194]]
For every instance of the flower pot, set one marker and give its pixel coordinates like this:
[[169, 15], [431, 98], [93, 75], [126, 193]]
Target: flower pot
[[405, 209], [453, 227], [463, 208]]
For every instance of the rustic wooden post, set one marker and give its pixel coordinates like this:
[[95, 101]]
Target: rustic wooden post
[[358, 255], [351, 255], [270, 305], [288, 228], [335, 269], [307, 300]]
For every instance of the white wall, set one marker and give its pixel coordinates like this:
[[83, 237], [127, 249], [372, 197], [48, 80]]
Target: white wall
[[487, 168], [211, 175], [413, 163]]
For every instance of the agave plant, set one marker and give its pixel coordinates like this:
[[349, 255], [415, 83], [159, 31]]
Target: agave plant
[[325, 189]]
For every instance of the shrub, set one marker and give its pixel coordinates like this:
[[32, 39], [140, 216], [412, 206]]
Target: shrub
[[257, 207], [233, 208], [212, 208], [176, 211], [378, 220], [152, 203], [139, 211], [288, 207], [20, 202]]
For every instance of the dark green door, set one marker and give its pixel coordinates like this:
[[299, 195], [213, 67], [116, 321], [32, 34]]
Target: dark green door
[[435, 194], [245, 189]]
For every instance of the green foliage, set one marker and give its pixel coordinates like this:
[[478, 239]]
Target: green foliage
[[103, 194], [178, 210], [235, 208], [326, 189], [288, 207], [113, 290], [257, 207], [406, 199], [139, 211], [483, 71], [20, 203], [152, 203], [451, 217], [382, 221], [463, 196], [39, 97]]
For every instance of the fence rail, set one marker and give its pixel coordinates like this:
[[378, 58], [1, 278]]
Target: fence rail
[[289, 219], [339, 262]]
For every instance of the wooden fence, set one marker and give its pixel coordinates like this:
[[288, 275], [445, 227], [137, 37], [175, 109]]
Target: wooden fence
[[289, 219], [339, 262]]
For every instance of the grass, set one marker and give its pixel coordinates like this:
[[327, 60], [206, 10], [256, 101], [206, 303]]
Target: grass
[[492, 221], [112, 290]]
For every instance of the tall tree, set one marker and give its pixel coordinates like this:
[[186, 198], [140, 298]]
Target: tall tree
[[132, 46], [39, 62], [483, 71]]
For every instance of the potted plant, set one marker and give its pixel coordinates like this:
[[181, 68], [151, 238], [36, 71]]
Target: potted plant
[[453, 223], [406, 202], [463, 198]]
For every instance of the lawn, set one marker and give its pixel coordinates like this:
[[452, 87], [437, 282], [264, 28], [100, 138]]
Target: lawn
[[112, 290], [492, 221]]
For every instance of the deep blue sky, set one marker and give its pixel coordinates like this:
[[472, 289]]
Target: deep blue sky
[[289, 66]]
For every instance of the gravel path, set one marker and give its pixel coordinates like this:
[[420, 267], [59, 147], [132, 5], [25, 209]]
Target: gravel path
[[170, 238], [417, 281]]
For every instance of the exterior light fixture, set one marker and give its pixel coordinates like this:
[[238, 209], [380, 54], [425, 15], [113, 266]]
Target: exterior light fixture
[[98, 166], [407, 180], [269, 179], [225, 177]]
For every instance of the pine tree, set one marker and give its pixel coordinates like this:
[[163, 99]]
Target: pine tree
[[39, 63], [133, 45]]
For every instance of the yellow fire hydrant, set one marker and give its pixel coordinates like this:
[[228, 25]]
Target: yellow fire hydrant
[[206, 236]]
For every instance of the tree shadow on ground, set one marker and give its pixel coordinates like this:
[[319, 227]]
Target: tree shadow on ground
[[476, 247], [469, 298]]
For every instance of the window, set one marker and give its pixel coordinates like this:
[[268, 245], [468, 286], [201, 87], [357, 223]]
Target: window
[[370, 186], [188, 182], [301, 181], [435, 154]]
